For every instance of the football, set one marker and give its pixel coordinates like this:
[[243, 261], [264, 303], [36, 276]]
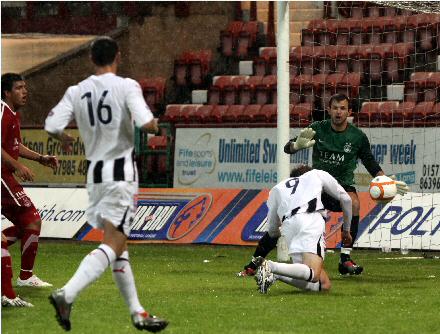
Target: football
[[382, 189]]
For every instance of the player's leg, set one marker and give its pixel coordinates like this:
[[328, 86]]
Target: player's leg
[[11, 233], [89, 270], [20, 210], [9, 206], [346, 265], [9, 298], [124, 278], [316, 264], [265, 245], [6, 279], [304, 235]]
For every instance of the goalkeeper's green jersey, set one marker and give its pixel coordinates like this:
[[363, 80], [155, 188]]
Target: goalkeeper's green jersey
[[338, 152]]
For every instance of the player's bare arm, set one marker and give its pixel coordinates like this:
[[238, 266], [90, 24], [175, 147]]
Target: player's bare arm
[[65, 139], [20, 170], [45, 160], [151, 127]]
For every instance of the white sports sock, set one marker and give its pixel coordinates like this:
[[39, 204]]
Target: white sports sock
[[300, 284], [90, 269], [346, 250], [123, 276], [293, 270]]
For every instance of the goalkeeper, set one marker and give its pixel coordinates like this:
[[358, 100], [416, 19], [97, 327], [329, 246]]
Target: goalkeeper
[[337, 146]]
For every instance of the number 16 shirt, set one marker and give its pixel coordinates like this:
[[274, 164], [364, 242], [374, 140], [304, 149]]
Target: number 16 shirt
[[105, 108]]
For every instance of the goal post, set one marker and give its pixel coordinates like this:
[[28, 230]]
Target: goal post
[[283, 88]]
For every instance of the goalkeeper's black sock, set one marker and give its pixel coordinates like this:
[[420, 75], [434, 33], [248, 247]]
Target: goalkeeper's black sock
[[265, 245], [354, 229]]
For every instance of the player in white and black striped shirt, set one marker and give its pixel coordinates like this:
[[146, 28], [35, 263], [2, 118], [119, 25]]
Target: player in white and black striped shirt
[[296, 212], [105, 108]]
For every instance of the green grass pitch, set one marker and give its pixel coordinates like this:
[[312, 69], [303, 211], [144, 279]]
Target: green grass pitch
[[195, 288]]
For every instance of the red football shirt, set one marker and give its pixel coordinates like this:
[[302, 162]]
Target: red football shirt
[[11, 137]]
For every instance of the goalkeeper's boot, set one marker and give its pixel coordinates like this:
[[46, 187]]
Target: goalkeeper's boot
[[62, 308], [264, 277], [33, 281], [15, 302], [151, 323], [249, 270], [349, 267]]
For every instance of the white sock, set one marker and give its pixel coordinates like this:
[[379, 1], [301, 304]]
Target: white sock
[[346, 250], [90, 269], [294, 270], [123, 276], [300, 284]]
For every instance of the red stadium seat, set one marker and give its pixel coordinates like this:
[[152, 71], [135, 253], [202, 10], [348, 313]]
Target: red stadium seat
[[216, 90], [154, 92], [390, 29], [199, 66], [432, 87], [373, 10], [172, 113], [344, 56], [312, 90], [301, 114], [247, 38], [415, 86], [398, 114], [368, 108], [229, 38], [187, 111], [246, 92], [230, 91], [325, 62], [215, 116], [180, 72], [231, 115], [373, 29], [199, 114], [433, 116], [249, 113], [384, 115], [349, 85], [358, 9], [269, 112], [418, 115], [296, 87], [156, 162], [356, 32], [263, 91]]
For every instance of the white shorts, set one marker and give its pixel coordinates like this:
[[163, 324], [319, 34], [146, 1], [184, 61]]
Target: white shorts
[[304, 233], [113, 202]]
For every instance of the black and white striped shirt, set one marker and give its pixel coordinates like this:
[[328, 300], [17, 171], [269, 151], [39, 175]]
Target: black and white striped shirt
[[105, 108]]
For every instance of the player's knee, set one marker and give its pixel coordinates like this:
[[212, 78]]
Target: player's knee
[[326, 285], [35, 226]]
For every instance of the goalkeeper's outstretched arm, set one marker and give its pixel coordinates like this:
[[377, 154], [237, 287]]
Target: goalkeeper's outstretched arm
[[304, 140]]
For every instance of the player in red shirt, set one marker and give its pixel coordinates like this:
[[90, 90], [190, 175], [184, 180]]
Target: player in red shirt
[[16, 206]]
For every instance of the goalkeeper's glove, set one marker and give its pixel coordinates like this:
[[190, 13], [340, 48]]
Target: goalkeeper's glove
[[304, 140], [402, 187]]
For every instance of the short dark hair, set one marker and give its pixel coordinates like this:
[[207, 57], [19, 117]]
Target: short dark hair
[[300, 170], [338, 98], [8, 80], [104, 50]]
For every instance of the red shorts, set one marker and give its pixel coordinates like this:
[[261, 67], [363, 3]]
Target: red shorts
[[16, 206]]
